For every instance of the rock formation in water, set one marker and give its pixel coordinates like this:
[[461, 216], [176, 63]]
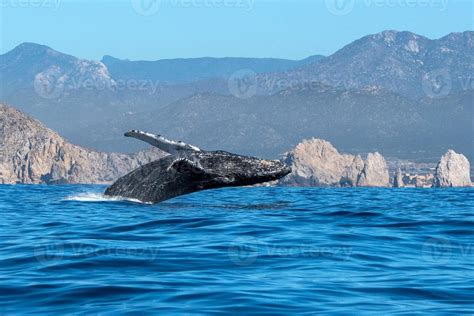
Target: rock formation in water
[[31, 153], [351, 173], [453, 170], [375, 172], [398, 179], [316, 162]]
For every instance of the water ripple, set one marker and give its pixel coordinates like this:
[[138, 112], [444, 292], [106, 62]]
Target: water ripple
[[266, 251]]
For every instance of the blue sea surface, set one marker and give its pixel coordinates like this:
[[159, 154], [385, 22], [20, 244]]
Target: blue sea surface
[[67, 249]]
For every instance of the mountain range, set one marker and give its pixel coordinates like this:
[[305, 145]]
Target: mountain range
[[395, 92], [356, 120], [195, 69], [401, 62]]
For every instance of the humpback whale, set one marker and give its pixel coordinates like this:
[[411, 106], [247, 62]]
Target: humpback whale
[[189, 169]]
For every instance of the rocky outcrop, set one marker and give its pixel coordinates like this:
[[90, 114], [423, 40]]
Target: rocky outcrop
[[375, 172], [351, 174], [398, 179], [316, 162], [453, 170], [31, 153]]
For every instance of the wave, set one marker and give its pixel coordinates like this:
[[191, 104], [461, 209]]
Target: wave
[[99, 197]]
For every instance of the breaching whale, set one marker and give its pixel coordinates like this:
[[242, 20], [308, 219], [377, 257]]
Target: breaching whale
[[189, 169]]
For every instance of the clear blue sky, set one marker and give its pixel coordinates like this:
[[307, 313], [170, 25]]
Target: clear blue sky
[[153, 29]]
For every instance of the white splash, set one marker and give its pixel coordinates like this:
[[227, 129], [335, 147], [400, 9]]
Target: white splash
[[98, 197]]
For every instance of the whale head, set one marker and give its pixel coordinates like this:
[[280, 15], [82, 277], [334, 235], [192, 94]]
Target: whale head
[[222, 169]]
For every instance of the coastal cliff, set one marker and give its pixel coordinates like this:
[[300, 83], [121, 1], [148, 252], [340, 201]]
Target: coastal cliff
[[31, 153]]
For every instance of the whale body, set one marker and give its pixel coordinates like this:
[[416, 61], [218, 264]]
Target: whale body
[[189, 169]]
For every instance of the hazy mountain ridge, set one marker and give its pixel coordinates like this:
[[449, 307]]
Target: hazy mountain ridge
[[185, 70], [370, 95], [356, 121], [401, 62], [47, 71], [31, 65], [55, 87]]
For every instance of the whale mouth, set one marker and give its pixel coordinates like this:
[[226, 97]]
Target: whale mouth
[[280, 174], [286, 171], [279, 171]]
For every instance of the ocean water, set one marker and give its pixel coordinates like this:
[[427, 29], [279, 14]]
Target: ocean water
[[66, 249]]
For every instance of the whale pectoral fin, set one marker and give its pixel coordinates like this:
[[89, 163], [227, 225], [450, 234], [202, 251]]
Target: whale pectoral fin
[[186, 166], [162, 143]]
